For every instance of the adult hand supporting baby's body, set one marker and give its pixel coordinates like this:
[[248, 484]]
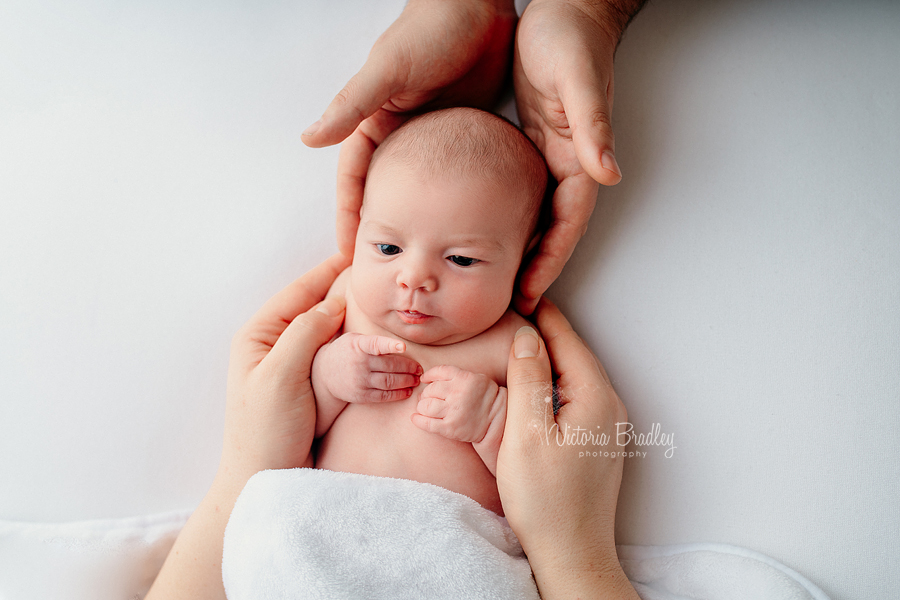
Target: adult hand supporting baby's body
[[270, 416], [561, 504]]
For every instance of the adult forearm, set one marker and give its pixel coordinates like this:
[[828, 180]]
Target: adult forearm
[[193, 569]]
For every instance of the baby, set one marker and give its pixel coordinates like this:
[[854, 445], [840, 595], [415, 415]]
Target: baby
[[414, 386]]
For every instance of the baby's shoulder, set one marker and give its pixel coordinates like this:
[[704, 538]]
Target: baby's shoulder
[[493, 345], [341, 285], [505, 329]]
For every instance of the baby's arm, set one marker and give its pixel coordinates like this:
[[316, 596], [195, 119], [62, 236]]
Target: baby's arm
[[464, 406], [354, 368], [360, 368]]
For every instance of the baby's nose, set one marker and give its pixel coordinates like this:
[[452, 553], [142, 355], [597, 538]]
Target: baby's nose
[[417, 275]]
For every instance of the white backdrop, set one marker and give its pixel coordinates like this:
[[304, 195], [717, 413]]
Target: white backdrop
[[741, 285]]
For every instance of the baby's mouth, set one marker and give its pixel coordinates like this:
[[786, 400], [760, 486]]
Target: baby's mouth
[[413, 317]]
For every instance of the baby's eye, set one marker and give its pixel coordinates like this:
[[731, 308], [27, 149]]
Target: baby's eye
[[463, 261], [388, 249]]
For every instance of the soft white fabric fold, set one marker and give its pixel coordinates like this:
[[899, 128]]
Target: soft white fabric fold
[[112, 559], [318, 534], [307, 533]]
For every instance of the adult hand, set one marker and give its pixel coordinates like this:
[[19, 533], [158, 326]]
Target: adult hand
[[563, 78], [270, 413], [436, 54], [270, 417], [562, 506]]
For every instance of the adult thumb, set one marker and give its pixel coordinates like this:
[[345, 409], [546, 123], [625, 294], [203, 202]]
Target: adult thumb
[[300, 340], [530, 388], [590, 118], [364, 94]]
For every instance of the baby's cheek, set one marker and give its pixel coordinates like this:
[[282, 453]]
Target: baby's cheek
[[484, 307], [369, 290]]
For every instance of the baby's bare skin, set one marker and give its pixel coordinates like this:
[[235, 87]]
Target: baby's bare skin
[[414, 386], [379, 438]]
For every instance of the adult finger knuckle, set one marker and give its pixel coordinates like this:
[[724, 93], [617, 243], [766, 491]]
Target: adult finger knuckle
[[599, 117]]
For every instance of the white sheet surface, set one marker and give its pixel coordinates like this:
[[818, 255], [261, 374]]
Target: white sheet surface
[[741, 285]]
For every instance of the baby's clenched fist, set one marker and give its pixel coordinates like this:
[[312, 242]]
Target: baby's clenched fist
[[459, 404]]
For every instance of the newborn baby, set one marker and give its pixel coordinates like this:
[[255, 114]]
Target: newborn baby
[[413, 388]]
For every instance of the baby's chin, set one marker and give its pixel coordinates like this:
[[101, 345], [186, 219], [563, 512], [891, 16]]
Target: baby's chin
[[429, 336]]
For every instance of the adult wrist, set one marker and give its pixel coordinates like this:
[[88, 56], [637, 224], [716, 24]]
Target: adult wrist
[[566, 577], [612, 16]]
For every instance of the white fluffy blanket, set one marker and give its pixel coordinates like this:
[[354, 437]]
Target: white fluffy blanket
[[305, 533]]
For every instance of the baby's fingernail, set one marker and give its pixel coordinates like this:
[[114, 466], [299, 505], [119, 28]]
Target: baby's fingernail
[[331, 307], [526, 344], [398, 347], [312, 129], [419, 371], [608, 160]]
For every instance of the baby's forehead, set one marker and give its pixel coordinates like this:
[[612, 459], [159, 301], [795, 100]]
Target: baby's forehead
[[486, 193], [471, 145]]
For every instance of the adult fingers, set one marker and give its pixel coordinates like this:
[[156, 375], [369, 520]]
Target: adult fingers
[[365, 93], [568, 353], [588, 111], [573, 204], [353, 167], [578, 367], [529, 389], [300, 341], [262, 331]]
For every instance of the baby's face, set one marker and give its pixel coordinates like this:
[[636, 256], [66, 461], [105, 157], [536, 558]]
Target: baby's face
[[436, 257]]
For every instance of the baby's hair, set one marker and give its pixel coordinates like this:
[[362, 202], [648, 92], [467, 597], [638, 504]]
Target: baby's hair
[[471, 141]]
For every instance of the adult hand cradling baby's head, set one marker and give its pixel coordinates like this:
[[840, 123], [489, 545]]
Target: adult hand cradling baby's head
[[439, 54]]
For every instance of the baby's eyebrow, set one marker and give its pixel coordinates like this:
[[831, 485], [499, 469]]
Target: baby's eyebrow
[[385, 228], [479, 242]]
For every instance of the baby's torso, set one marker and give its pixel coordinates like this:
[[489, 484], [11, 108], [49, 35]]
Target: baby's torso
[[380, 438]]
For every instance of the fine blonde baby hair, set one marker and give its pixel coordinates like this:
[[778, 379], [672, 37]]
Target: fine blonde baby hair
[[468, 141]]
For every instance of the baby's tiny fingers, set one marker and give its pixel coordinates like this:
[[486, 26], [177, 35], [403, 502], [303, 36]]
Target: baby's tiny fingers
[[427, 423], [432, 407], [386, 395], [395, 364], [378, 344], [441, 373], [392, 381], [437, 389]]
